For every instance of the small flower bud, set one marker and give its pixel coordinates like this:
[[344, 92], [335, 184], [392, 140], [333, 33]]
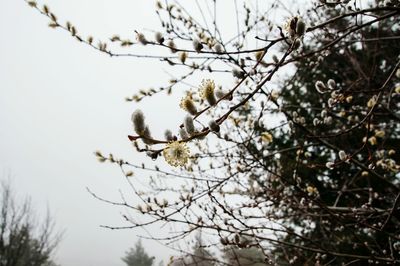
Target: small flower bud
[[168, 135], [138, 122], [197, 45], [331, 84], [259, 55], [330, 165], [189, 125], [331, 102], [219, 93], [300, 27], [372, 101], [129, 173], [237, 73], [218, 48], [147, 136], [207, 89], [159, 38], [320, 87], [380, 133], [182, 57], [342, 155], [266, 138], [275, 58], [172, 46], [183, 133], [214, 127], [140, 37], [188, 105], [296, 44], [328, 120]]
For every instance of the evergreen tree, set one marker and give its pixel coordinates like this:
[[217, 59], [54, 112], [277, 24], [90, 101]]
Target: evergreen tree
[[235, 256], [137, 256]]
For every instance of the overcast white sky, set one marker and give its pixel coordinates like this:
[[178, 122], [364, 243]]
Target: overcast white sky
[[60, 101]]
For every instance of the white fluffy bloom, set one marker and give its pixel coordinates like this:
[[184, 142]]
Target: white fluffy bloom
[[176, 153]]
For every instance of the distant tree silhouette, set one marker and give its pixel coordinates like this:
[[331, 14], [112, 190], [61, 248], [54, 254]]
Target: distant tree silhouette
[[137, 256], [23, 242]]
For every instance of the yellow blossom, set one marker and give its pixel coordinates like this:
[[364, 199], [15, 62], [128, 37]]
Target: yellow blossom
[[372, 140], [372, 101], [349, 99], [188, 105], [312, 190], [274, 95], [379, 133], [364, 173], [266, 137], [207, 89], [176, 153]]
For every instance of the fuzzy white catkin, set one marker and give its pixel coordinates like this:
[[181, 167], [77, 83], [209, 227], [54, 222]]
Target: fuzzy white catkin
[[237, 73], [213, 126], [331, 84], [218, 48], [220, 93], [189, 125], [138, 122], [330, 165], [342, 155], [147, 135], [141, 38], [159, 38], [320, 87], [168, 135], [300, 27], [183, 133], [197, 45]]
